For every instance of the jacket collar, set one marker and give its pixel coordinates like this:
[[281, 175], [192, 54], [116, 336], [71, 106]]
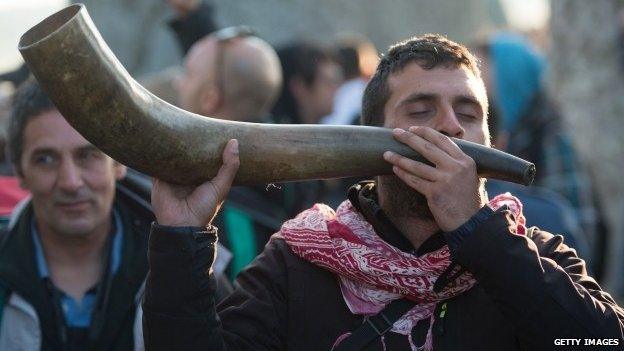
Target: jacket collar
[[115, 246]]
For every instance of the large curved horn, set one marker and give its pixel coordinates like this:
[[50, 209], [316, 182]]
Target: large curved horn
[[98, 97]]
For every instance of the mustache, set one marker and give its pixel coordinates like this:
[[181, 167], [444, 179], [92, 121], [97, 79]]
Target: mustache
[[65, 198], [402, 200]]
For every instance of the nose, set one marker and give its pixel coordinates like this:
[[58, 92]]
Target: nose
[[69, 177], [448, 124]]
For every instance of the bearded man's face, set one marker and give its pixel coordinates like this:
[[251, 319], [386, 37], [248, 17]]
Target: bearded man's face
[[450, 100]]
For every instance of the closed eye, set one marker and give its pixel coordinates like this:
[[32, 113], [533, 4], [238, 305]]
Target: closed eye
[[468, 109], [419, 112], [467, 116]]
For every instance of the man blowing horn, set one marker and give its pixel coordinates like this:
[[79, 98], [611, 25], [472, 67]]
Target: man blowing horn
[[417, 260]]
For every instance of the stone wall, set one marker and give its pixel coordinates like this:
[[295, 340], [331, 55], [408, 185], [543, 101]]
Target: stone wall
[[136, 29]]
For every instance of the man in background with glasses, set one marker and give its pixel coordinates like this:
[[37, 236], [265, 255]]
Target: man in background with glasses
[[232, 74]]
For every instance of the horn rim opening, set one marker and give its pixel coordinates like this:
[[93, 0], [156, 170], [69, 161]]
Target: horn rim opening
[[49, 26]]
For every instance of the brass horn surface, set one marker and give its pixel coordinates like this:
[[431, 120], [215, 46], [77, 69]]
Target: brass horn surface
[[97, 96]]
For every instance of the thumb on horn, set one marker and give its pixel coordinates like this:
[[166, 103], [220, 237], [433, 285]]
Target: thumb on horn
[[176, 205]]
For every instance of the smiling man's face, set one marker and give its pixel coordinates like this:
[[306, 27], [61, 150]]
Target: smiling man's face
[[72, 182]]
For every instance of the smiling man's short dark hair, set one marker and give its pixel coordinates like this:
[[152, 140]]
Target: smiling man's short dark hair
[[28, 102], [428, 51]]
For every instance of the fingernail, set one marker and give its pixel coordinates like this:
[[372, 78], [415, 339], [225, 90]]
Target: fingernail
[[234, 146], [387, 154], [398, 131]]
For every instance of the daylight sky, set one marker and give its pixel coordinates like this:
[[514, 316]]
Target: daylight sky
[[16, 16]]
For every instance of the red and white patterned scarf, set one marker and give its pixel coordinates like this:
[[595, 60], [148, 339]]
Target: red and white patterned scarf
[[373, 273]]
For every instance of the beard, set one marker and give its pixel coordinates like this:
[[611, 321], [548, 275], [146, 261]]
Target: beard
[[400, 200]]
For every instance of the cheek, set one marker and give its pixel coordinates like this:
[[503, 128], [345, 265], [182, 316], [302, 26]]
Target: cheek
[[101, 179], [104, 193], [476, 133], [398, 122], [40, 183], [389, 123]]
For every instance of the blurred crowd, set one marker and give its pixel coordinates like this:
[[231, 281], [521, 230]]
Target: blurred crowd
[[231, 73]]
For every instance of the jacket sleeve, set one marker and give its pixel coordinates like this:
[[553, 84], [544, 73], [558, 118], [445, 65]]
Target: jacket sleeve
[[194, 26], [179, 311], [540, 284]]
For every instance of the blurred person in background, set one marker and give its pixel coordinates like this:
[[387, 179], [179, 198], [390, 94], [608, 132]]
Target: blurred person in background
[[229, 74], [17, 76], [193, 20], [232, 74], [358, 59], [311, 78], [543, 207], [73, 264], [532, 128]]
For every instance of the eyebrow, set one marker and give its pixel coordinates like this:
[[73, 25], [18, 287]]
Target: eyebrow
[[44, 150], [89, 147], [467, 99], [417, 97], [48, 150]]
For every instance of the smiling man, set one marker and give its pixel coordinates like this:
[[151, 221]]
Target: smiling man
[[417, 260], [74, 261]]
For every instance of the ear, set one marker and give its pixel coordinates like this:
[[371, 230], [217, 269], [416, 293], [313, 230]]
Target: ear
[[120, 170], [20, 177], [22, 182], [210, 100]]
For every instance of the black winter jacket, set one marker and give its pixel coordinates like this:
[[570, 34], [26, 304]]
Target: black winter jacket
[[113, 326], [530, 292]]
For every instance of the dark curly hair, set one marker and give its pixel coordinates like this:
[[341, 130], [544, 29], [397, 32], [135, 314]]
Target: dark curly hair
[[428, 51]]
